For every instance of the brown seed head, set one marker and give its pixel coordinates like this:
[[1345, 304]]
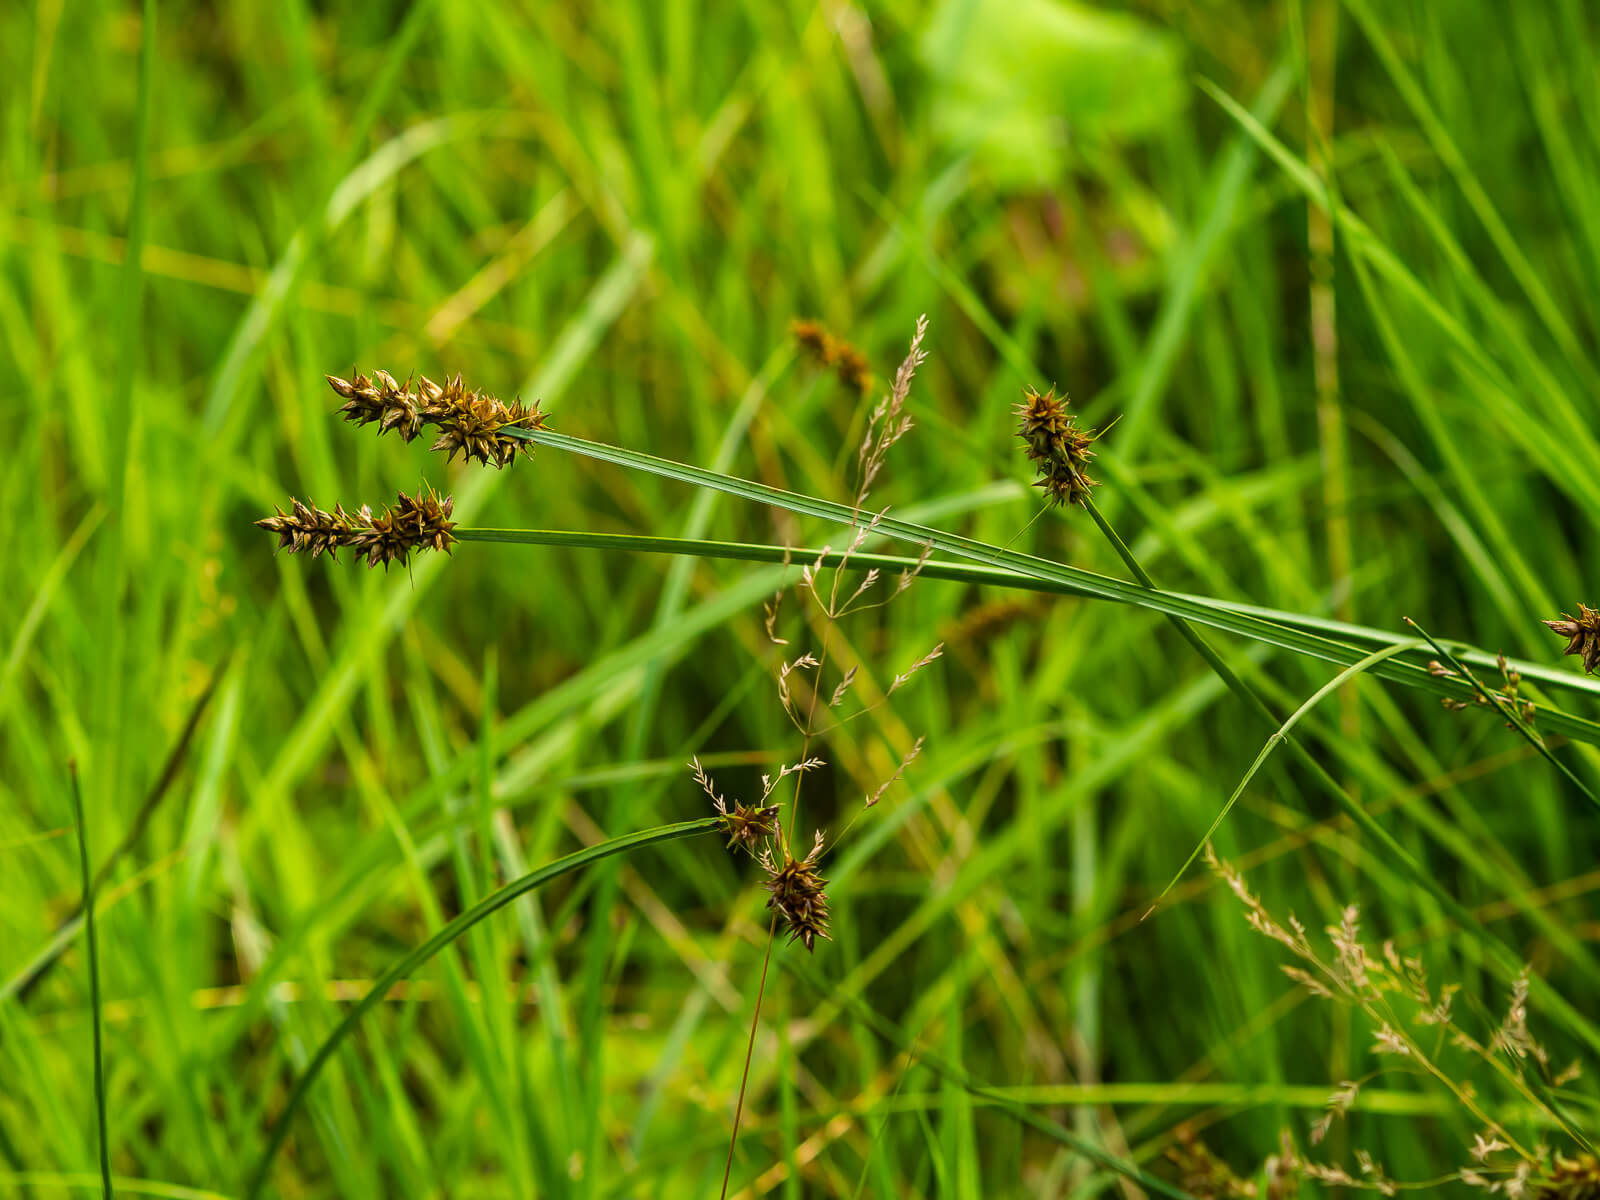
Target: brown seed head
[[847, 362], [749, 826], [420, 522], [470, 422], [1583, 634], [1054, 442], [1572, 1179], [796, 893], [307, 527]]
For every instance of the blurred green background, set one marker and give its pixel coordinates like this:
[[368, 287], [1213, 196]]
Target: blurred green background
[[619, 208]]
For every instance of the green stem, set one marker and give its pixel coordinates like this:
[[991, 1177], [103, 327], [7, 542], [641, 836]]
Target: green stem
[[94, 983]]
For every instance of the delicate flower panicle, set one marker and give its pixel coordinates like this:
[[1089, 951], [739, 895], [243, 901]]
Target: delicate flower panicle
[[848, 363], [797, 895], [470, 422], [1056, 445], [420, 522], [1584, 635]]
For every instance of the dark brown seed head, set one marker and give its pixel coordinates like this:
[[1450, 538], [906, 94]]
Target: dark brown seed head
[[796, 893], [1583, 634], [420, 522], [1058, 447], [748, 826], [470, 422]]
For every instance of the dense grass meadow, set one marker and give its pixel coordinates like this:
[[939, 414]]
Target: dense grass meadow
[[402, 883]]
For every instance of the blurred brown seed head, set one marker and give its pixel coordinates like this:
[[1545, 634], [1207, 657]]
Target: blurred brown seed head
[[848, 363]]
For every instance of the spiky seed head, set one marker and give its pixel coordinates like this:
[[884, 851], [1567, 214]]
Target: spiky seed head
[[1583, 632], [420, 522], [470, 422], [749, 826], [797, 894], [1064, 482], [307, 527], [1054, 442], [1043, 423]]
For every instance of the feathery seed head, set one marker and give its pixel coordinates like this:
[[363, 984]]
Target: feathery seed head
[[1583, 634]]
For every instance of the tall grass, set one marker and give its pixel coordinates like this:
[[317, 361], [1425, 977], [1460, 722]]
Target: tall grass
[[618, 212]]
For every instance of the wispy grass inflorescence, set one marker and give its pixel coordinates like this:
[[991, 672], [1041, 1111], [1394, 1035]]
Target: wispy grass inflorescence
[[1412, 1023], [815, 693], [419, 522], [470, 422], [1583, 633], [1056, 445]]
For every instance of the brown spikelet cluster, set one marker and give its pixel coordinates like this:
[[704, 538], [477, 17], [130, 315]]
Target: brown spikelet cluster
[[469, 422], [419, 522], [749, 826], [848, 363], [1572, 1179], [1058, 448], [796, 893], [1583, 634]]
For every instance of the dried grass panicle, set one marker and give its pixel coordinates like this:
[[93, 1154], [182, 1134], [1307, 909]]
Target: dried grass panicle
[[1412, 1020], [1583, 634], [470, 422], [418, 522], [1056, 445], [889, 421], [797, 894]]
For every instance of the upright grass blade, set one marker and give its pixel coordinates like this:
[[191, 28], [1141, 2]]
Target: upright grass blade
[[455, 929], [1273, 742], [1200, 610], [903, 1041], [94, 982]]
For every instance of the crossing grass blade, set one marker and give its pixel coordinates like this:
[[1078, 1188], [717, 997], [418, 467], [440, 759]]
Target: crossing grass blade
[[1089, 584], [457, 928]]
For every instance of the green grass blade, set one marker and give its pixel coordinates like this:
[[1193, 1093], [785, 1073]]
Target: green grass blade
[[1272, 744], [94, 983], [1230, 618], [455, 929]]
